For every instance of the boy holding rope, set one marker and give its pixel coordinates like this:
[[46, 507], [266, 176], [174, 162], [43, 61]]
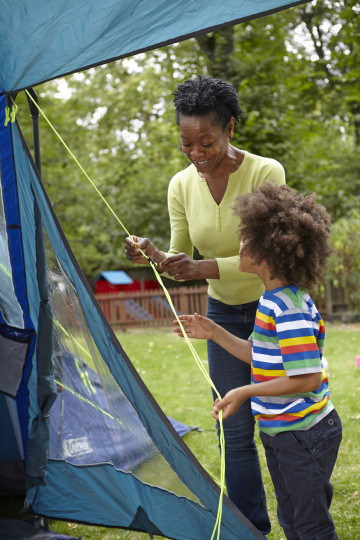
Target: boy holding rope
[[285, 242]]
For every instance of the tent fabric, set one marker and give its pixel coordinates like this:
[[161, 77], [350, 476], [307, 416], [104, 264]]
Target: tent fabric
[[10, 443], [46, 391], [10, 308], [46, 39], [14, 529], [80, 446], [15, 285], [14, 344]]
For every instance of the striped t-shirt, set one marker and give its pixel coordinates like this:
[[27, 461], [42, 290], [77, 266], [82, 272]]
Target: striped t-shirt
[[288, 339]]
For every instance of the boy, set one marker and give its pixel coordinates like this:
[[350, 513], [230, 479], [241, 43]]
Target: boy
[[285, 242]]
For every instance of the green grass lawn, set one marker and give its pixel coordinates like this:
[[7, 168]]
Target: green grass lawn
[[166, 364]]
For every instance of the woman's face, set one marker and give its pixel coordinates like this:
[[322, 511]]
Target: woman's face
[[203, 142]]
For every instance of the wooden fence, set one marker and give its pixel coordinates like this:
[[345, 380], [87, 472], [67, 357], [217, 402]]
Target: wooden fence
[[150, 308]]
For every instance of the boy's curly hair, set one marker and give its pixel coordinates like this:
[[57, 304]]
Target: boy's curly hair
[[205, 95], [287, 230]]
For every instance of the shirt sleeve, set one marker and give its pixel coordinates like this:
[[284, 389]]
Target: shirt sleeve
[[270, 170], [297, 335], [180, 238], [228, 267]]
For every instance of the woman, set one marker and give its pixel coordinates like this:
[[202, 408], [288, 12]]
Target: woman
[[200, 200]]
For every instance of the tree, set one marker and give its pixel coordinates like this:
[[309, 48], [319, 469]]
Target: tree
[[296, 73]]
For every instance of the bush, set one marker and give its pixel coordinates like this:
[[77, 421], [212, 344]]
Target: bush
[[344, 266]]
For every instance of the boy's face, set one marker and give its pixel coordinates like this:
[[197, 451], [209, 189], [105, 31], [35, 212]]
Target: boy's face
[[246, 263]]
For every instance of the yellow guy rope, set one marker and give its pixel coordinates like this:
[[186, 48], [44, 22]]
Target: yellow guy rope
[[196, 356]]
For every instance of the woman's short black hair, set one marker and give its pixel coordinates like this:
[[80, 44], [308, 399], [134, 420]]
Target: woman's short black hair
[[287, 230], [205, 95]]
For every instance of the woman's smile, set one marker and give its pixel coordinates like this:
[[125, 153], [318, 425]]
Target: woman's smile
[[200, 164]]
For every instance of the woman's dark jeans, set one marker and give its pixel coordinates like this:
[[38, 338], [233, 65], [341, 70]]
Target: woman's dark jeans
[[242, 468]]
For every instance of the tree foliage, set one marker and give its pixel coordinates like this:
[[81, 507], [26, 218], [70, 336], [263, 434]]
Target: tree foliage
[[345, 263], [297, 75]]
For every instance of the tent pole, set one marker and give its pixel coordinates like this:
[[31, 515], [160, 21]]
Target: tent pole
[[35, 115]]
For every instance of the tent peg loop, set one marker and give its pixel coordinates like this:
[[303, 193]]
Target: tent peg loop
[[10, 116]]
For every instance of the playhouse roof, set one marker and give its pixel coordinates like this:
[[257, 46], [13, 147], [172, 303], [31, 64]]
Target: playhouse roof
[[115, 277]]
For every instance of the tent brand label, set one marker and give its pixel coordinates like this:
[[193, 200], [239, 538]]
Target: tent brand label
[[76, 447]]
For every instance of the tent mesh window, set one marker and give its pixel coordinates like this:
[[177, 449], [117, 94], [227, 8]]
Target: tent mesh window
[[92, 421]]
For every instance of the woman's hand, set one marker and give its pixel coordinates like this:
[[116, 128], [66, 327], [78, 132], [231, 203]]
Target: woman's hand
[[195, 326], [230, 403], [132, 245], [181, 267]]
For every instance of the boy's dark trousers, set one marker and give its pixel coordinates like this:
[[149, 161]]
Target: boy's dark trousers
[[300, 465]]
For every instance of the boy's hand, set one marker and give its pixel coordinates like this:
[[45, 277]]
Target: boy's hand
[[230, 403], [195, 326]]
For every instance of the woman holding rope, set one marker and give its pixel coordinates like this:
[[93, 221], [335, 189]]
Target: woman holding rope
[[200, 200]]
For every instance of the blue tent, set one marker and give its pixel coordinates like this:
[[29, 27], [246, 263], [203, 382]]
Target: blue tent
[[50, 323], [46, 39]]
